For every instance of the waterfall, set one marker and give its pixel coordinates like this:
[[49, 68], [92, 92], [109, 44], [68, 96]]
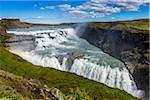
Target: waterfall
[[63, 50]]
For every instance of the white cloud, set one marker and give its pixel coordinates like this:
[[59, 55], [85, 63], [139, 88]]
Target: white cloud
[[65, 7], [112, 17], [89, 9], [13, 17], [50, 7], [42, 8], [39, 17], [77, 14], [47, 7], [35, 5], [97, 14], [100, 8], [146, 1]]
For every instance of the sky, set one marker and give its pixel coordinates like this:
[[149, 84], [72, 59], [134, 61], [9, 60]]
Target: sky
[[67, 11]]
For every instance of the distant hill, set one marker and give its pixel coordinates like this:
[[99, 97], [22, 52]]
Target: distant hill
[[134, 26]]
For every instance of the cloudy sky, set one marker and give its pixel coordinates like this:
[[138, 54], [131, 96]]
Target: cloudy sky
[[65, 11]]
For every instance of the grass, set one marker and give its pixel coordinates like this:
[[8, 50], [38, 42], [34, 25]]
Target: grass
[[61, 80], [18, 88], [135, 26], [7, 90]]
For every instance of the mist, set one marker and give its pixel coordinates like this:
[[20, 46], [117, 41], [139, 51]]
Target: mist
[[80, 29]]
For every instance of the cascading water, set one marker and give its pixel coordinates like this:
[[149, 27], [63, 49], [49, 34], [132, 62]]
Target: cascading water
[[61, 49]]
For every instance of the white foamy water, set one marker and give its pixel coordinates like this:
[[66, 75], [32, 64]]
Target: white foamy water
[[63, 50]]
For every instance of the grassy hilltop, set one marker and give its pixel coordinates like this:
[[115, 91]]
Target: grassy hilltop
[[134, 26]]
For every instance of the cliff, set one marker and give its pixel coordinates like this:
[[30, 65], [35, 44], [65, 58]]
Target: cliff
[[10, 24], [127, 41]]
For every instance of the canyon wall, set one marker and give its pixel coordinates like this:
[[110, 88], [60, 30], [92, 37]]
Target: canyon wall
[[128, 45]]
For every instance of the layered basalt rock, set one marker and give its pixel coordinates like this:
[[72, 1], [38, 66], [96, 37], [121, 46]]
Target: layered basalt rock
[[131, 47]]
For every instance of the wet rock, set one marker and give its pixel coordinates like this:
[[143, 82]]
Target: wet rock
[[60, 58], [22, 42], [72, 56]]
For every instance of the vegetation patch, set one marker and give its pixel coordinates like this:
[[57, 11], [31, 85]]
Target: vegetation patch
[[134, 26]]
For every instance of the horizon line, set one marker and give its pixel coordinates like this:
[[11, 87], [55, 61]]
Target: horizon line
[[77, 22]]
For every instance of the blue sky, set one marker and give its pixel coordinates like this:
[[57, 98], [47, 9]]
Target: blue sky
[[65, 11]]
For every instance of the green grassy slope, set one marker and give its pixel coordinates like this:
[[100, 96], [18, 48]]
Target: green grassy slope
[[14, 87], [61, 80]]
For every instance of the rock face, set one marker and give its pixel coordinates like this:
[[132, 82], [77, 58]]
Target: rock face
[[47, 93], [13, 23], [131, 48], [10, 24], [22, 42]]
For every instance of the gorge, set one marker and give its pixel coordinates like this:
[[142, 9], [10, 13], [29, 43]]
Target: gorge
[[61, 48]]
